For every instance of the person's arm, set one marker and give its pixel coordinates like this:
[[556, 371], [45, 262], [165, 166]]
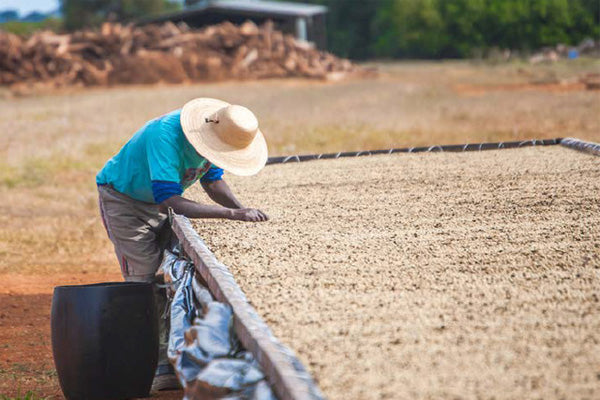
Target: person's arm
[[220, 193], [217, 189], [192, 209]]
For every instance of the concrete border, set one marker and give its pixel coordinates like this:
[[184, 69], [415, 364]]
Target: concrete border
[[581, 145], [284, 371]]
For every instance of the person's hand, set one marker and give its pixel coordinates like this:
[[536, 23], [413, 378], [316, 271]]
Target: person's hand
[[249, 215]]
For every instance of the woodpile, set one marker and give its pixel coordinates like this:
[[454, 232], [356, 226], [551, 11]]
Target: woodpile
[[118, 54]]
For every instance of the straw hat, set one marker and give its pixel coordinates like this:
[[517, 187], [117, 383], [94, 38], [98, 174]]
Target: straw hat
[[226, 135]]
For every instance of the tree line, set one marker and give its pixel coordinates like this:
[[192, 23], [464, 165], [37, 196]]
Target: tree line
[[79, 14], [362, 29]]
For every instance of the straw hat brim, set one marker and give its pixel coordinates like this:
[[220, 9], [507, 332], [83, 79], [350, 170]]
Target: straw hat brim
[[201, 135]]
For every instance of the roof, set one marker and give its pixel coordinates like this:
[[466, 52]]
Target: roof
[[247, 7], [269, 7]]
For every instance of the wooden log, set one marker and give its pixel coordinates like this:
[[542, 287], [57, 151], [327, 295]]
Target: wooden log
[[179, 53], [248, 28]]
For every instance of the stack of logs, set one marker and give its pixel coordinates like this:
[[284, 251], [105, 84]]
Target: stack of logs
[[118, 54]]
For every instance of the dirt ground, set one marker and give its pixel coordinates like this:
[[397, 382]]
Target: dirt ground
[[463, 276]]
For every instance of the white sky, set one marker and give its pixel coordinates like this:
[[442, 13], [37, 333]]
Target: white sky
[[26, 6]]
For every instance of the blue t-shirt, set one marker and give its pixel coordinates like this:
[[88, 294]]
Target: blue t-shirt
[[157, 162]]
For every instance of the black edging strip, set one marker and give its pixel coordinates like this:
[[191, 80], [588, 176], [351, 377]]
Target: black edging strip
[[581, 145], [454, 148]]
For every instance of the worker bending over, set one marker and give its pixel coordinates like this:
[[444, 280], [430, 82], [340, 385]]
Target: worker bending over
[[149, 174]]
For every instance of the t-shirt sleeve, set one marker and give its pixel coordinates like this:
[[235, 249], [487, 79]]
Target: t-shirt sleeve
[[213, 174], [163, 162], [162, 190]]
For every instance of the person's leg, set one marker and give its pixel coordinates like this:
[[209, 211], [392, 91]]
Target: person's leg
[[137, 231]]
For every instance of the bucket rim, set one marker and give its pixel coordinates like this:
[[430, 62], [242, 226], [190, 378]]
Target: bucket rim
[[104, 285]]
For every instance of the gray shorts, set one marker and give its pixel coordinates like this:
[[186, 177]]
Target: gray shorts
[[139, 231]]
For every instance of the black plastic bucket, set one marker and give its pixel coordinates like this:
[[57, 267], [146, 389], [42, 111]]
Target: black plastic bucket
[[105, 339]]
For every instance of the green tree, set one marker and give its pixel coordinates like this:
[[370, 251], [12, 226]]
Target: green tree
[[350, 27], [456, 28], [83, 13], [464, 28], [409, 27]]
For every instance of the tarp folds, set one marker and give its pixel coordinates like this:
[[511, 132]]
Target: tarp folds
[[203, 347]]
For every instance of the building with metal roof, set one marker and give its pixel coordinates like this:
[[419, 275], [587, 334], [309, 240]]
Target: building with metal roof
[[305, 21]]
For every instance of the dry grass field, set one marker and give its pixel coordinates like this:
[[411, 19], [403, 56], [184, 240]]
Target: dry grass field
[[446, 276], [52, 145]]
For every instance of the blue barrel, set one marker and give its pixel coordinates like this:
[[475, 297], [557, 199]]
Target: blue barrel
[[105, 339]]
